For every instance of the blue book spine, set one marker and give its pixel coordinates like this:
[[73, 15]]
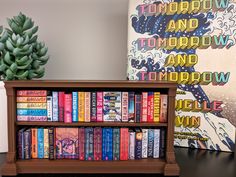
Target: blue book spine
[[40, 143], [107, 140], [31, 112], [20, 144], [150, 142], [55, 109], [109, 144], [88, 143], [75, 107]]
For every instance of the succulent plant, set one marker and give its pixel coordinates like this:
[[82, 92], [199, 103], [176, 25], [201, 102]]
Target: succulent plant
[[22, 56]]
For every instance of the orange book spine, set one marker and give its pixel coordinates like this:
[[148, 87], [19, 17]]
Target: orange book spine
[[34, 145]]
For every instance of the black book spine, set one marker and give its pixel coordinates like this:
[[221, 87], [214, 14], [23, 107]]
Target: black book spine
[[51, 143]]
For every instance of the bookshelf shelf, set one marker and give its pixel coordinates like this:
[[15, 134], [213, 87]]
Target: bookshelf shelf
[[89, 124], [14, 166]]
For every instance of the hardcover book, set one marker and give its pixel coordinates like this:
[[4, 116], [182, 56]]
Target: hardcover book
[[34, 145], [61, 102], [156, 143], [112, 106], [163, 108], [27, 144], [93, 107], [81, 106], [31, 105], [124, 144], [40, 143], [75, 116], [132, 145], [150, 107], [32, 118], [131, 117], [87, 110], [138, 107], [31, 93], [55, 108], [81, 144], [138, 144], [51, 136], [20, 143], [46, 143], [144, 143], [99, 106], [107, 144], [31, 112], [150, 142], [89, 143], [49, 108], [116, 144], [68, 108], [31, 99], [162, 143], [144, 106], [125, 112], [97, 143], [156, 111]]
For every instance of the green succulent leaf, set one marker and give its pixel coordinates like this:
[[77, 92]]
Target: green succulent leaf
[[26, 65], [33, 39], [4, 37], [9, 46], [1, 29], [1, 46], [9, 74], [23, 75], [28, 24], [43, 51], [17, 52], [22, 61], [13, 67], [7, 58], [3, 67], [16, 29]]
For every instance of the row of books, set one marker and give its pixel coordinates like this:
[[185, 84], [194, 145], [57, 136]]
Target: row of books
[[68, 107], [91, 143]]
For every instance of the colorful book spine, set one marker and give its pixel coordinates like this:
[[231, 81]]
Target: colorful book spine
[[81, 143], [162, 143], [51, 143], [31, 105], [68, 108], [116, 144], [75, 116], [55, 112], [32, 118], [138, 107], [20, 144], [124, 144], [81, 106], [31, 93], [93, 107], [34, 146], [31, 99], [144, 106], [131, 117], [138, 144], [61, 106], [131, 145], [125, 112], [97, 143], [99, 106], [150, 142], [27, 144], [163, 108], [107, 144], [87, 106], [89, 143], [40, 143], [156, 144], [46, 143], [144, 143], [150, 106], [31, 112], [49, 108], [156, 111]]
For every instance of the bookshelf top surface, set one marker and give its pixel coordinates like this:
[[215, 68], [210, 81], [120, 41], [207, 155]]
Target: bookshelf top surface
[[90, 84]]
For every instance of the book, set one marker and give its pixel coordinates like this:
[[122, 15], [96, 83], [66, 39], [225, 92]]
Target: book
[[55, 111], [81, 144], [163, 108], [138, 144], [32, 118], [49, 108], [124, 144], [51, 143], [138, 107], [116, 144], [27, 144], [31, 105], [97, 143], [150, 107], [150, 142], [89, 143], [68, 108], [81, 106], [144, 106], [31, 93], [40, 143], [131, 117], [87, 110], [99, 106], [20, 143], [34, 145], [125, 113], [112, 106], [107, 144], [75, 116], [31, 112], [46, 143], [156, 109], [144, 143], [31, 99], [156, 143], [61, 102], [162, 142], [132, 145], [93, 107]]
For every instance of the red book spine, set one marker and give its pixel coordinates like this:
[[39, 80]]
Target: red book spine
[[61, 106], [68, 108], [81, 144], [99, 106], [97, 143], [125, 112], [124, 143], [150, 108], [163, 108], [144, 107], [38, 93]]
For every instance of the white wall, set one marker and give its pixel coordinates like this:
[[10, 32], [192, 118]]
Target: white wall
[[87, 39]]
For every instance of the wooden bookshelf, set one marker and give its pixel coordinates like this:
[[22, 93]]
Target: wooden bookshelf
[[14, 166]]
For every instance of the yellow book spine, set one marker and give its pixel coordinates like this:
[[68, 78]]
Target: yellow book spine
[[46, 144], [156, 106], [31, 105], [81, 106]]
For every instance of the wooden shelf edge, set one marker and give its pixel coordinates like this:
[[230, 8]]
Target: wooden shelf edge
[[91, 124]]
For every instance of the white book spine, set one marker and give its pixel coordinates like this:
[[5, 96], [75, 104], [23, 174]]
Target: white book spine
[[49, 108], [132, 146], [144, 143], [156, 148]]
